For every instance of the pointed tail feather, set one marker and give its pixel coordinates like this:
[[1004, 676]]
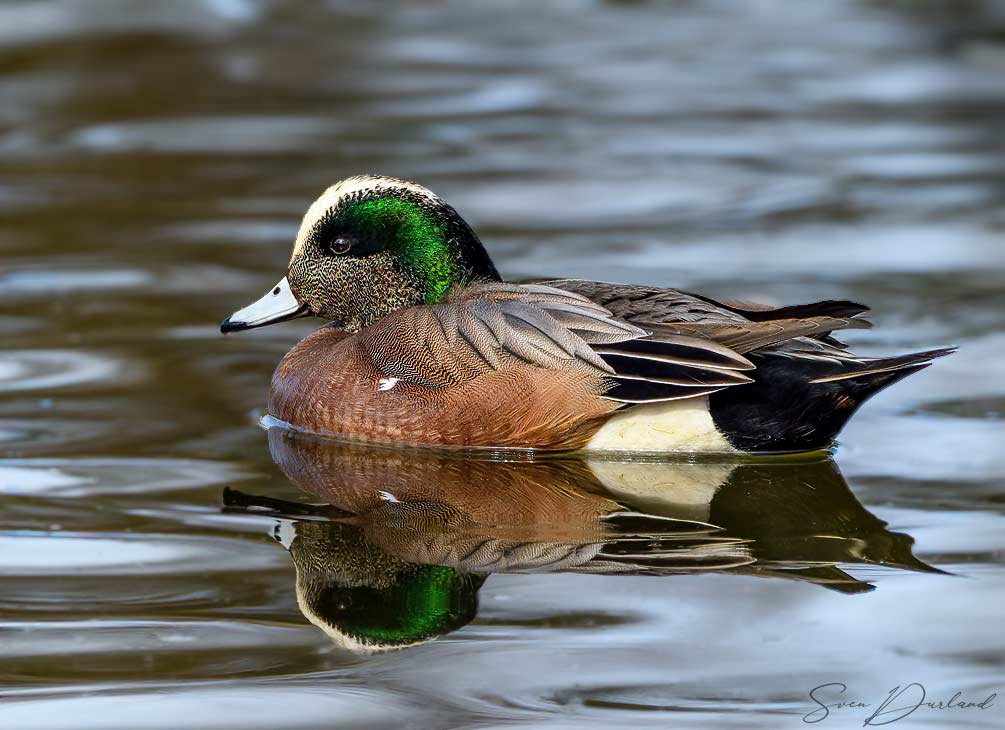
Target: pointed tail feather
[[913, 361], [827, 308]]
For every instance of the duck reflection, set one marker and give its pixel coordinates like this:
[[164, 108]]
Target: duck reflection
[[404, 539]]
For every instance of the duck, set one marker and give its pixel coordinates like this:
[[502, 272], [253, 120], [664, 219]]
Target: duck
[[426, 344]]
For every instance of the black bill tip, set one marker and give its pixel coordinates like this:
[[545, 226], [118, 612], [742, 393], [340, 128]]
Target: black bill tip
[[228, 325], [239, 325]]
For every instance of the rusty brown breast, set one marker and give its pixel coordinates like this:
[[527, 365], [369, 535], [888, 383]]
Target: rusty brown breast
[[328, 384]]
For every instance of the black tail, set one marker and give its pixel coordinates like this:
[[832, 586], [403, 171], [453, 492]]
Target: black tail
[[797, 404]]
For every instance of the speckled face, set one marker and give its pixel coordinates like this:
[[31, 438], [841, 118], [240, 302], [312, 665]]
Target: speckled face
[[371, 245]]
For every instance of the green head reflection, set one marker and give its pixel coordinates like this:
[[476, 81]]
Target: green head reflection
[[366, 600]]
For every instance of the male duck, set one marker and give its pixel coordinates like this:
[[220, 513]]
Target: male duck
[[428, 345]]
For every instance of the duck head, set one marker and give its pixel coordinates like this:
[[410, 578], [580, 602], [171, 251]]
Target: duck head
[[368, 246]]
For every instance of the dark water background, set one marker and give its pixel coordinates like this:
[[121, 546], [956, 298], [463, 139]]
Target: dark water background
[[155, 159]]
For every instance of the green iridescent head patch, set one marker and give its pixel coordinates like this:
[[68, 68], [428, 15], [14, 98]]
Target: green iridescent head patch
[[416, 233]]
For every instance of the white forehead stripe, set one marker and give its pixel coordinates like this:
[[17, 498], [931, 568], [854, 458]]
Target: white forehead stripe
[[351, 185]]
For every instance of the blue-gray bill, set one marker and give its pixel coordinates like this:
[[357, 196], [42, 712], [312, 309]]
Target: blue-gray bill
[[279, 305]]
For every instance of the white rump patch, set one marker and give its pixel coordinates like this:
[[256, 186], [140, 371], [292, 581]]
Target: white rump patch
[[673, 426]]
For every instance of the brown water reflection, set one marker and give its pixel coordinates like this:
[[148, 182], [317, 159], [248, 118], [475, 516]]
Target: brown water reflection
[[155, 159], [396, 554]]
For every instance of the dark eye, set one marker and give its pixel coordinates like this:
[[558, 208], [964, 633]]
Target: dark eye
[[339, 245]]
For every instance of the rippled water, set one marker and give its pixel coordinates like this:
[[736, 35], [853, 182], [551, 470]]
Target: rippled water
[[155, 160]]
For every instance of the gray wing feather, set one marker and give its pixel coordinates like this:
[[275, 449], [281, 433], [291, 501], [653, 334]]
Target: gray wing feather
[[474, 330], [479, 336]]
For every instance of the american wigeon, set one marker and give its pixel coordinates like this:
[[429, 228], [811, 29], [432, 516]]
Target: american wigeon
[[426, 344]]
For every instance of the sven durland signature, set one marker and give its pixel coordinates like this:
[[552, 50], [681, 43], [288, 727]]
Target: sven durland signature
[[900, 702]]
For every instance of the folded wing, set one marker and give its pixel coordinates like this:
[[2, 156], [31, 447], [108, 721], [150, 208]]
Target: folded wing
[[490, 326]]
